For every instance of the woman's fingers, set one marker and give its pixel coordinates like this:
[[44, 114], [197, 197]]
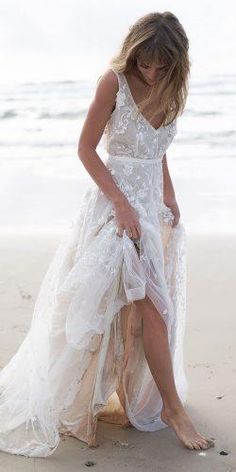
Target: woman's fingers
[[135, 233], [132, 232], [128, 221], [136, 229]]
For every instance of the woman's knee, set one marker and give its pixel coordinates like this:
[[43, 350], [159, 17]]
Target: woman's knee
[[149, 312]]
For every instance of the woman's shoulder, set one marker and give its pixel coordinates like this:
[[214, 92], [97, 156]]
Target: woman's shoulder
[[107, 87], [110, 78]]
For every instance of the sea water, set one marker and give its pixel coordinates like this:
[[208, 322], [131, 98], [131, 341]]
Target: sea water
[[42, 179]]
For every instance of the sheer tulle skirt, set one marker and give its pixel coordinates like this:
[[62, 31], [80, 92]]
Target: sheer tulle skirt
[[82, 358]]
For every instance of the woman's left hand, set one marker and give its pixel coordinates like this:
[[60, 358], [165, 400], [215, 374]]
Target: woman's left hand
[[173, 205]]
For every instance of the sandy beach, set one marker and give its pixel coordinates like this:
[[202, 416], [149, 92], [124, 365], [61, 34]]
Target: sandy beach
[[209, 359]]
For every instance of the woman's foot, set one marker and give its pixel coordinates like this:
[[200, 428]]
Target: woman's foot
[[185, 430], [126, 424]]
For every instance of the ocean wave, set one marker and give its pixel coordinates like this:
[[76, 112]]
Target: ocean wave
[[70, 115], [8, 114], [66, 115]]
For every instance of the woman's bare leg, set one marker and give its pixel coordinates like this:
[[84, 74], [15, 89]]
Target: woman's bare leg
[[157, 352]]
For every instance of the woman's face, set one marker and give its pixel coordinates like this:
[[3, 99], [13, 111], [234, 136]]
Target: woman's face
[[150, 72]]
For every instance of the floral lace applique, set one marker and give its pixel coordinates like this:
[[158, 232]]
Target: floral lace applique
[[128, 133]]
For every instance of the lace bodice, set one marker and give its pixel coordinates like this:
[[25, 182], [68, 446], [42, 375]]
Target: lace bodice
[[128, 133]]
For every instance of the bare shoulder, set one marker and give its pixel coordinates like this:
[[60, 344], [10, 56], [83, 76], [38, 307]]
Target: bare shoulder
[[107, 87], [100, 109]]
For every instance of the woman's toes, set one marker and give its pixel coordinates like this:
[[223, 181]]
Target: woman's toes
[[189, 445], [197, 446], [203, 444], [205, 441], [202, 440], [208, 444]]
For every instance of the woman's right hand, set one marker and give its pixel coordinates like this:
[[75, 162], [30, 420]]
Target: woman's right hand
[[127, 219]]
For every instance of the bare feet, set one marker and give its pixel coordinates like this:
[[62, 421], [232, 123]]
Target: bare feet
[[185, 430], [93, 443], [126, 424]]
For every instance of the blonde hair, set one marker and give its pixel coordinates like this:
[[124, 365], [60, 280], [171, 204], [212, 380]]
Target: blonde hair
[[158, 38]]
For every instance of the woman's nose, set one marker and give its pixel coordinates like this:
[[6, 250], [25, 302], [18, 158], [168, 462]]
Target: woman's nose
[[152, 75]]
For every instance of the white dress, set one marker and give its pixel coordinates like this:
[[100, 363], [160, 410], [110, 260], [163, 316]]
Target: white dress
[[82, 358]]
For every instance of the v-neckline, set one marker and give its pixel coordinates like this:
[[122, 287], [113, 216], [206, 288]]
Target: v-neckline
[[136, 106]]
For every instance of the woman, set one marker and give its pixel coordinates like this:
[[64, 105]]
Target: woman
[[106, 336]]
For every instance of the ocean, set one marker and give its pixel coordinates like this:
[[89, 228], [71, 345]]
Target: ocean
[[42, 179]]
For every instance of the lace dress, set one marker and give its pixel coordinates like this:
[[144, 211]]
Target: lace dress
[[82, 359]]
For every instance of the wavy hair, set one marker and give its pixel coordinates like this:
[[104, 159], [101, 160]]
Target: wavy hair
[[158, 38]]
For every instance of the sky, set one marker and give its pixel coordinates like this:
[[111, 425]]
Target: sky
[[69, 39]]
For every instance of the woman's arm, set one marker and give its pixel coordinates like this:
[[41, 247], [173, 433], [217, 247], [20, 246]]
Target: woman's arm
[[98, 114], [169, 193]]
